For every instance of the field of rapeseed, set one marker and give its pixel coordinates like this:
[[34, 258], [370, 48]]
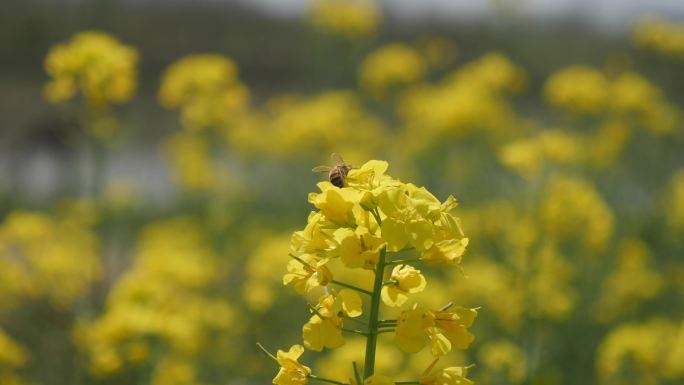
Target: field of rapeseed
[[506, 219]]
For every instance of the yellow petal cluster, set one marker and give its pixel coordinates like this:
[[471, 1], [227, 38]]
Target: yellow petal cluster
[[443, 327], [291, 371], [655, 348], [206, 90], [13, 357], [573, 208], [454, 375], [331, 121], [389, 66], [661, 36], [94, 64], [352, 19], [55, 257], [467, 100], [584, 90], [630, 283], [503, 357], [162, 303], [405, 280], [324, 329]]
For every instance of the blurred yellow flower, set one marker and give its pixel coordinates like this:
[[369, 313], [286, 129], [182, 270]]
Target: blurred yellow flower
[[389, 66], [470, 99], [579, 89], [502, 356], [191, 161], [263, 272], [572, 207], [659, 35], [44, 256], [388, 359], [332, 121], [352, 19], [12, 355], [95, 64], [652, 351], [206, 90], [163, 299], [630, 283], [638, 99]]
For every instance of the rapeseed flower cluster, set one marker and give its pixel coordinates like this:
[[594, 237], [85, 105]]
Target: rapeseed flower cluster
[[583, 90], [206, 90], [95, 65], [631, 283], [327, 121], [648, 352], [528, 156], [390, 66], [50, 257], [161, 312], [366, 225], [469, 99], [351, 19], [548, 263], [660, 36], [13, 357]]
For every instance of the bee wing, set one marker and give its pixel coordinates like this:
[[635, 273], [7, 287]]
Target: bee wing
[[337, 158], [321, 169]]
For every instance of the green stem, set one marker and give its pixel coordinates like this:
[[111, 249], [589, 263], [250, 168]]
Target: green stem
[[354, 331], [404, 261], [314, 377], [388, 321], [356, 320], [303, 262], [386, 331], [263, 349], [357, 375], [313, 309], [352, 287], [376, 215], [371, 341]]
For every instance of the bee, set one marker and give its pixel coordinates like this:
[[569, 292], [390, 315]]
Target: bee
[[338, 174]]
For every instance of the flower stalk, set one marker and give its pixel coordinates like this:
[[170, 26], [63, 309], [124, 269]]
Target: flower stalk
[[373, 329], [359, 225]]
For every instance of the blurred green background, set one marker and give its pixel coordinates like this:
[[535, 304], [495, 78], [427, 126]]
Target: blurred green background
[[155, 158]]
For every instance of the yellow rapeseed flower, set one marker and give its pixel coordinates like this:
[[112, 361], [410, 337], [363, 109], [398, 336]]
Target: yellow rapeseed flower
[[291, 371], [324, 329], [206, 90], [94, 64], [404, 280], [351, 19], [392, 65], [443, 327], [454, 375], [579, 89]]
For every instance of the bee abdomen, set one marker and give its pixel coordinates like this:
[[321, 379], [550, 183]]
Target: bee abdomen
[[337, 178]]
